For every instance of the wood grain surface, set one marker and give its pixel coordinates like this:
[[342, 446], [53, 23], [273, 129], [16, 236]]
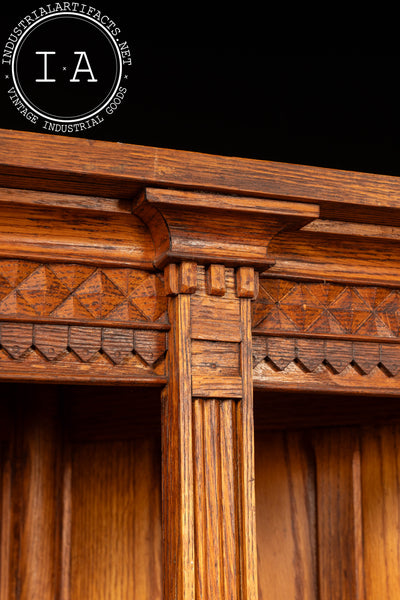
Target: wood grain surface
[[60, 232], [36, 484], [115, 533], [286, 517], [338, 482], [338, 257], [47, 162], [327, 513]]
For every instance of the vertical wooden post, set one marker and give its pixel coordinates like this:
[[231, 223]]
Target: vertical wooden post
[[208, 455], [36, 491], [177, 465]]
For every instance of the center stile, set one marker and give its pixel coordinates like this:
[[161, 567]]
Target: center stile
[[208, 480]]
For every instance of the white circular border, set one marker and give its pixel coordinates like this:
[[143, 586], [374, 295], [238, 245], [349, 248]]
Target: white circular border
[[60, 15]]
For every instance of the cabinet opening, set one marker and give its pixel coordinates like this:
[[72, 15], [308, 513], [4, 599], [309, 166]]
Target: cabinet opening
[[80, 492]]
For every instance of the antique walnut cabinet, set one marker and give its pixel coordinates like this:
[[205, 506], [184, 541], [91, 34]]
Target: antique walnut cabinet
[[146, 296]]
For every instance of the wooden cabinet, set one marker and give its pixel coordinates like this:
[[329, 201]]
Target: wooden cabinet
[[146, 295]]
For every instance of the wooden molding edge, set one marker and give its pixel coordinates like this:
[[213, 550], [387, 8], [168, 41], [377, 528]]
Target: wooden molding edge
[[59, 163]]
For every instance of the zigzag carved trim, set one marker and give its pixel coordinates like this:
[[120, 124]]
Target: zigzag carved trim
[[310, 354], [326, 365], [81, 353]]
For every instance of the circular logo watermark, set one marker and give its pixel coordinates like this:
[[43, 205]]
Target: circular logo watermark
[[67, 66]]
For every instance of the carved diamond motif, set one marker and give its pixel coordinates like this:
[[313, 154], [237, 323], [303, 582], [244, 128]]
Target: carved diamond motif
[[373, 296], [389, 312], [73, 291], [72, 275], [149, 297], [43, 291], [350, 310], [265, 303], [277, 288], [301, 307], [15, 304], [15, 271], [127, 280], [325, 293], [277, 320], [5, 287], [98, 295]]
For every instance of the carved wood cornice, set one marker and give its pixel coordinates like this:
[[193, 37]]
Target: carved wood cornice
[[355, 236], [328, 241]]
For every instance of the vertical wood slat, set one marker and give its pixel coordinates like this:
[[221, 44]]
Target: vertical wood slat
[[147, 520], [359, 563], [212, 468], [177, 464], [286, 516], [5, 518], [231, 506], [245, 436], [339, 535], [199, 497], [380, 471], [115, 539], [96, 537], [216, 501], [35, 510], [65, 575]]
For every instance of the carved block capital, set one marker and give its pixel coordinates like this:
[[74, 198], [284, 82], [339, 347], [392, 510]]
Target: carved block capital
[[213, 228]]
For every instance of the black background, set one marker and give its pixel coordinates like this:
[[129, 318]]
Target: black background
[[247, 85]]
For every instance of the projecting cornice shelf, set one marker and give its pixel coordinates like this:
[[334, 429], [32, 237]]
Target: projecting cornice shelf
[[114, 170]]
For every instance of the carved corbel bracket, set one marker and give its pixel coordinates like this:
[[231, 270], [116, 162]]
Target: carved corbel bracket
[[209, 228]]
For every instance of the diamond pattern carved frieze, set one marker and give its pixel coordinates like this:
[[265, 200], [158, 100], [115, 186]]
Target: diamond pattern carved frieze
[[73, 291], [326, 308]]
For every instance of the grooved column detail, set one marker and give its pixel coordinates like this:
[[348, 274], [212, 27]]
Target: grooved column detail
[[208, 479]]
